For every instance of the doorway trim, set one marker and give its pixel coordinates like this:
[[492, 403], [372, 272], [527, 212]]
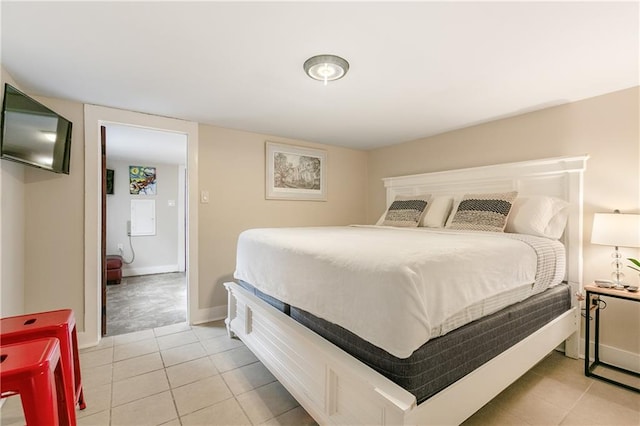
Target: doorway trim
[[94, 117]]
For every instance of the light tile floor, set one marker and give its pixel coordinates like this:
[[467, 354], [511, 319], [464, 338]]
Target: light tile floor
[[196, 375]]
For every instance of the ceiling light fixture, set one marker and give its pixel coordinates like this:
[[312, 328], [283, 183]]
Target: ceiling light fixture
[[326, 67]]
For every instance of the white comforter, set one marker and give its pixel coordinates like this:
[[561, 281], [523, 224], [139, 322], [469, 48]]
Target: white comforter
[[394, 287]]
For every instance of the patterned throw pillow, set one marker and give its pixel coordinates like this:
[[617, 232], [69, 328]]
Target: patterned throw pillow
[[406, 210], [484, 212]]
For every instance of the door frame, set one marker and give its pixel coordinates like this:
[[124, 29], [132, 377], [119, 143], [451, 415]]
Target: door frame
[[94, 117], [103, 231]]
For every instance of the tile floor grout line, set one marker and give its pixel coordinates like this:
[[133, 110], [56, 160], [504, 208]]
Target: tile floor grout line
[[175, 406], [575, 404], [173, 398], [235, 397]]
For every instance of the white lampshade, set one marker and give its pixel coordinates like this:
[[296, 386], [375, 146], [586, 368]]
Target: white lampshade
[[616, 229]]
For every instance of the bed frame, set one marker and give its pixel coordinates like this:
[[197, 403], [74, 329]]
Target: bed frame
[[335, 388]]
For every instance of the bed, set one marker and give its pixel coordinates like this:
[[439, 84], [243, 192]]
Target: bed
[[323, 359]]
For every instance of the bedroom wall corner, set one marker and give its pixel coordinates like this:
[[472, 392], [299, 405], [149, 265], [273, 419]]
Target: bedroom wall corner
[[232, 170], [606, 127]]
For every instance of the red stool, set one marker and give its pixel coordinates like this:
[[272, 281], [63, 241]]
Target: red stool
[[33, 370], [62, 325]]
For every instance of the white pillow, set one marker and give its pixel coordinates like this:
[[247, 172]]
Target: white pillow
[[452, 213], [538, 215], [437, 211]]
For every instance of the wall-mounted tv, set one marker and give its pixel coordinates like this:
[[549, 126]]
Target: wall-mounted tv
[[33, 134]]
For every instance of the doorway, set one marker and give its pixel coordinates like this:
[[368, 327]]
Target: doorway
[[94, 117], [144, 228]]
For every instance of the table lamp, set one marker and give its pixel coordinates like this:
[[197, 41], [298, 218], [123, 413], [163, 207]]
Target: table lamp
[[618, 230]]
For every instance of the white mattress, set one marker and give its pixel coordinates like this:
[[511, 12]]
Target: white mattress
[[397, 287]]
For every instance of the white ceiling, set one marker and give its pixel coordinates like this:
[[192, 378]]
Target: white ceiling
[[416, 69], [147, 146]]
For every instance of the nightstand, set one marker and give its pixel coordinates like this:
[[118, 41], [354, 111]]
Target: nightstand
[[594, 293]]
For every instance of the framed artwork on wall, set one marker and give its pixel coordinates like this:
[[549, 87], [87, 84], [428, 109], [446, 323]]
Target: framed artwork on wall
[[110, 175], [295, 173], [142, 180]]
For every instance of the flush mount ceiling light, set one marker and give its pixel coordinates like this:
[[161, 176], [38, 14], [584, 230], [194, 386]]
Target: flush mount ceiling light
[[326, 67]]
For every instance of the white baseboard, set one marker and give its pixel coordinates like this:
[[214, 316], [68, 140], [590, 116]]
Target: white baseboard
[[86, 341], [614, 356], [130, 271], [215, 313]]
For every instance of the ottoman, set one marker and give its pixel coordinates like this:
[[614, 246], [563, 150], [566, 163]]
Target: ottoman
[[114, 269]]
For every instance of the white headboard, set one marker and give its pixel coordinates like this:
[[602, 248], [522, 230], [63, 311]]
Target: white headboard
[[558, 177]]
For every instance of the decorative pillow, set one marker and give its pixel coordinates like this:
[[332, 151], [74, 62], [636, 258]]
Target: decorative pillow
[[454, 209], [538, 215], [406, 210], [484, 212], [438, 211]]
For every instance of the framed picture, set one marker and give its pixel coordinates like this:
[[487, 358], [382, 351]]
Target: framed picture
[[142, 180], [109, 181], [296, 173]]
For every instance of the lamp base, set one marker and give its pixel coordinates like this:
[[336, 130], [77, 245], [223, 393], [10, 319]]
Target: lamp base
[[617, 276]]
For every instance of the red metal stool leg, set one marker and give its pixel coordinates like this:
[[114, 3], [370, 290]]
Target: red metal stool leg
[[79, 391], [34, 370], [62, 325], [41, 407]]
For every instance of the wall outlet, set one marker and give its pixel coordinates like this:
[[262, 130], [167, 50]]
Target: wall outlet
[[120, 248]]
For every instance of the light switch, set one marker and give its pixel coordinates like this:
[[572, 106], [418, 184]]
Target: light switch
[[204, 197], [171, 203]]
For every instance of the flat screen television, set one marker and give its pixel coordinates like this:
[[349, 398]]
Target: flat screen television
[[32, 134]]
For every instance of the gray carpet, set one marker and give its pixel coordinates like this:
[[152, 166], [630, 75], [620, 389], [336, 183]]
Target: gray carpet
[[147, 301]]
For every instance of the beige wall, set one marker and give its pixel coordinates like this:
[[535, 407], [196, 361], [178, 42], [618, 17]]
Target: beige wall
[[42, 228], [232, 169], [54, 231], [606, 127], [11, 229]]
